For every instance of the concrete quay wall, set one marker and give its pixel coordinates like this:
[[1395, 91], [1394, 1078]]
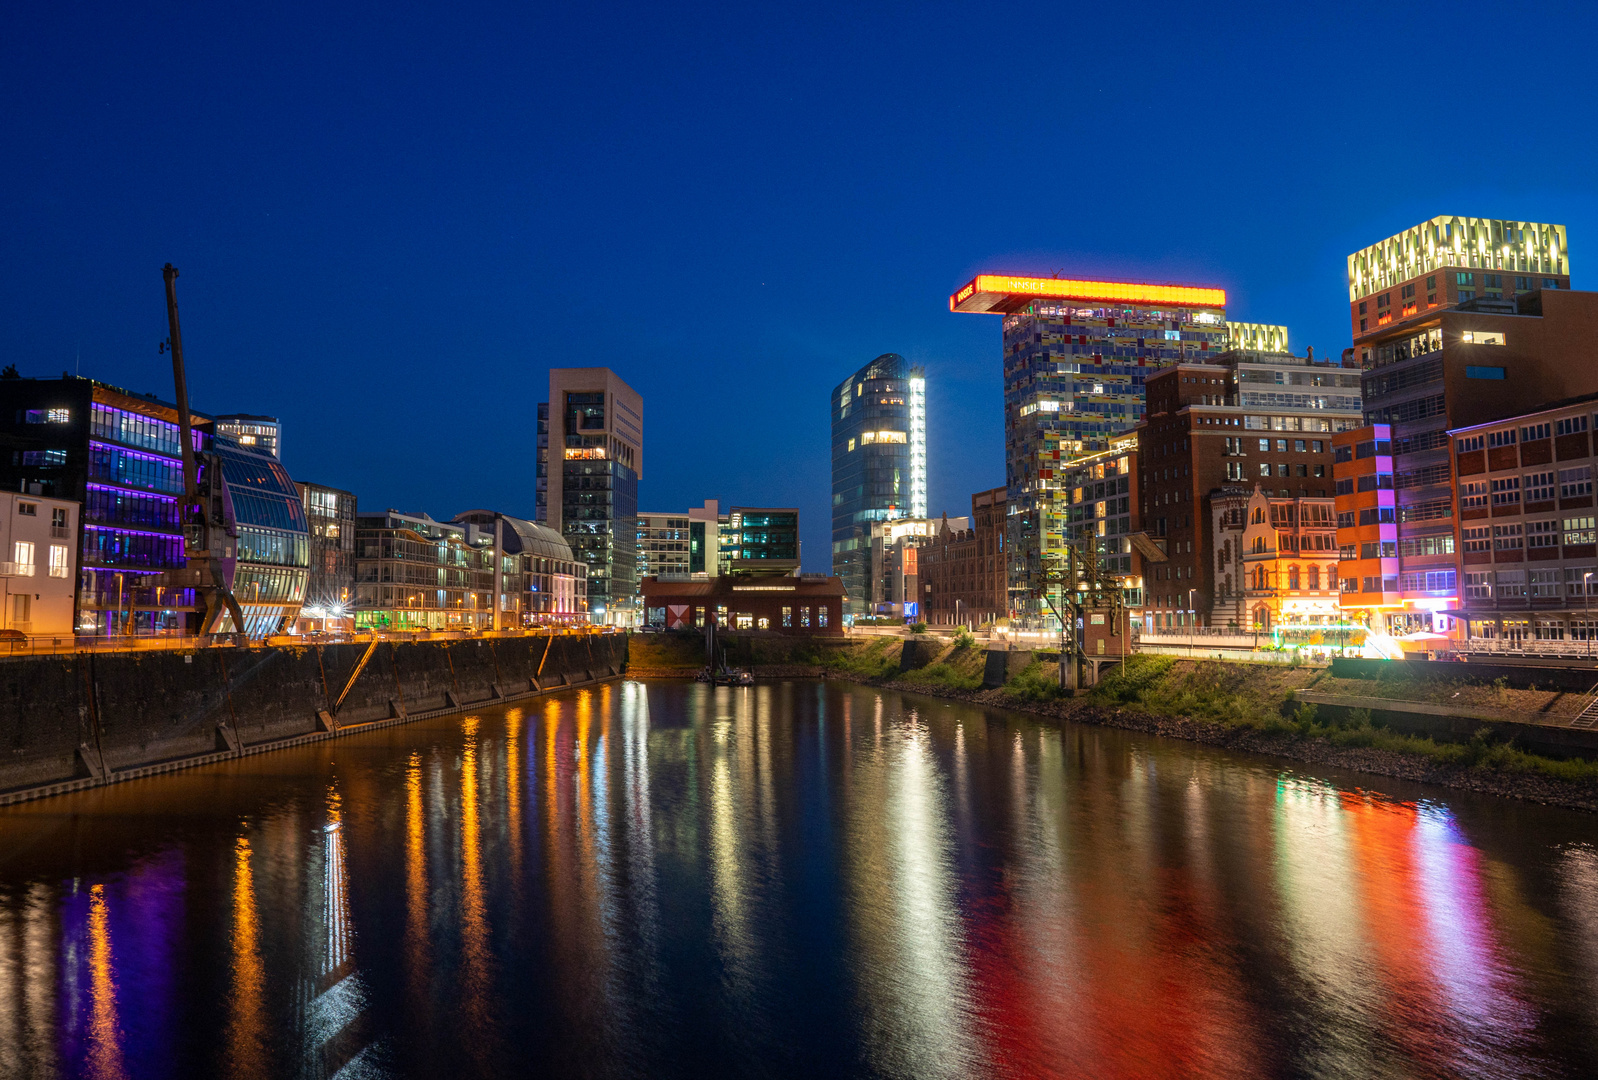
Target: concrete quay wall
[[80, 719]]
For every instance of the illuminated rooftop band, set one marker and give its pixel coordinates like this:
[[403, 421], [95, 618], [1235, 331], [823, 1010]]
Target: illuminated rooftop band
[[1003, 293]]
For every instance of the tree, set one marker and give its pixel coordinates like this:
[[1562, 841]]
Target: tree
[[9, 372]]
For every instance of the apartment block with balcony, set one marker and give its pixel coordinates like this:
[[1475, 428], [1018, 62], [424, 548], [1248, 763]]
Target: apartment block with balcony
[[38, 572], [1276, 564], [1528, 539]]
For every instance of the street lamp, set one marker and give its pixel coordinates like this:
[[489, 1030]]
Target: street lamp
[[1586, 610], [1192, 617]]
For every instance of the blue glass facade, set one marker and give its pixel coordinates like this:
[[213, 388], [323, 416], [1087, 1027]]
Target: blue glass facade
[[878, 463], [269, 540]]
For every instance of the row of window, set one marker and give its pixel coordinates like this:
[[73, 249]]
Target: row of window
[[1531, 534], [1573, 483], [1550, 584]]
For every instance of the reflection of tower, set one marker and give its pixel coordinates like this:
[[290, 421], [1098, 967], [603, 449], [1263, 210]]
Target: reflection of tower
[[246, 1030], [333, 1004]]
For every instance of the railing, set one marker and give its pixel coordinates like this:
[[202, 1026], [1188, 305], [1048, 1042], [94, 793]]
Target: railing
[[1525, 647], [17, 569], [60, 571], [58, 532], [45, 644]]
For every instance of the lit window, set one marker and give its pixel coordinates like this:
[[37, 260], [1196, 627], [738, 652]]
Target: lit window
[[59, 416], [22, 556], [1483, 337], [58, 561], [787, 616]]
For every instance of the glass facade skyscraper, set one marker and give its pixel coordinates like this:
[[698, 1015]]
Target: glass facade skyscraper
[[1075, 357], [879, 463], [594, 424]]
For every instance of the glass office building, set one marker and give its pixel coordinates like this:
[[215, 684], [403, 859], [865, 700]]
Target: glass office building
[[593, 423], [267, 532], [1075, 356], [879, 463]]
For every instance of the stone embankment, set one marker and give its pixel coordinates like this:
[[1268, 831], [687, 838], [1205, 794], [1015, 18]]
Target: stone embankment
[[83, 719]]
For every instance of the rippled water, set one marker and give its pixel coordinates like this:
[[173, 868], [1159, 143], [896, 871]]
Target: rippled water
[[800, 879]]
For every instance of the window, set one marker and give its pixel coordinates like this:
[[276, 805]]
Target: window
[[1318, 446], [821, 616], [1464, 279], [1473, 493], [787, 615], [1542, 534], [1570, 425], [1479, 586], [1539, 487], [1350, 585], [1579, 580], [1482, 337], [1342, 453], [1345, 486], [1427, 511], [1474, 372], [1431, 283], [22, 556], [1469, 443], [59, 566], [1534, 432], [804, 616], [1265, 466], [1506, 490], [1510, 583], [1345, 519], [1506, 537], [1427, 545], [1320, 470], [1376, 515], [1579, 530], [1546, 583], [851, 446], [1478, 538], [1282, 470], [27, 509], [1265, 444], [1376, 481], [1501, 438], [1431, 581]]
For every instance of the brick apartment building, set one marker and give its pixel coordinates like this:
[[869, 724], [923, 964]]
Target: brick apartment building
[[1276, 562], [962, 571], [1528, 554], [1243, 417]]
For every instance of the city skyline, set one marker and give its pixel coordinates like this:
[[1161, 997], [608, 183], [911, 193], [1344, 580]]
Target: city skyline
[[341, 228]]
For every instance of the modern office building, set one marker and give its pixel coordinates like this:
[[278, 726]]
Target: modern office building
[[1461, 366], [1240, 418], [536, 579], [761, 540], [962, 572], [115, 453], [1400, 281], [415, 573], [662, 544], [594, 427], [1256, 337], [1276, 563], [330, 586], [264, 433], [266, 533], [879, 462], [1076, 354], [38, 564]]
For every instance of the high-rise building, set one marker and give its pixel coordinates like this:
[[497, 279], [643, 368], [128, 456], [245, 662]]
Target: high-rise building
[[1075, 357], [1457, 322], [896, 547], [263, 433], [595, 454], [662, 544], [1446, 261], [879, 462]]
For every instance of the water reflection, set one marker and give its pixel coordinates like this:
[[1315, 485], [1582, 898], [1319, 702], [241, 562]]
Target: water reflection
[[793, 879]]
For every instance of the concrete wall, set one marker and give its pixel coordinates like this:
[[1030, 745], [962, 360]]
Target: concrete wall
[[1575, 677], [66, 717]]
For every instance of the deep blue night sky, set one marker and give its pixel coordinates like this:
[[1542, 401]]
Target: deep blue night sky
[[392, 220]]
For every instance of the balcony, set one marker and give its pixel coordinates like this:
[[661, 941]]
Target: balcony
[[59, 532], [18, 569]]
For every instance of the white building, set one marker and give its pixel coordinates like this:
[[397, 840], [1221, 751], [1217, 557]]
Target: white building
[[894, 583], [39, 573]]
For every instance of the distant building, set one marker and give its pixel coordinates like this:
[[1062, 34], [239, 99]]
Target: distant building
[[760, 540], [879, 462], [330, 587], [38, 565], [808, 605], [662, 544], [593, 461], [895, 576], [537, 580], [961, 573], [263, 433]]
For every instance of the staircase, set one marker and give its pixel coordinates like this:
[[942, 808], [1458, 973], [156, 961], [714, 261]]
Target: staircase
[[1588, 717]]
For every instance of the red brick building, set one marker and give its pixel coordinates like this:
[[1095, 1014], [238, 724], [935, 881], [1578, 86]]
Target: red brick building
[[1244, 417], [962, 572], [783, 604]]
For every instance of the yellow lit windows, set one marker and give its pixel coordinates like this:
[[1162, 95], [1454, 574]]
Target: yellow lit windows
[[867, 438], [851, 446], [1483, 337]]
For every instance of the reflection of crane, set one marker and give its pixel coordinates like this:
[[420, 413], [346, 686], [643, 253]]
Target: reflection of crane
[[202, 572]]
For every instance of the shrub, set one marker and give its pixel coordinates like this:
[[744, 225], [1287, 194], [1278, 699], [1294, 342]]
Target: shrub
[[1033, 684], [964, 639], [918, 628], [944, 674]]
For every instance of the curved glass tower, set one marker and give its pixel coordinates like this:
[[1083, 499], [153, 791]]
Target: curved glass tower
[[879, 463]]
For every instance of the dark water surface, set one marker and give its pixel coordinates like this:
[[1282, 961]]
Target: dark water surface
[[800, 879]]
